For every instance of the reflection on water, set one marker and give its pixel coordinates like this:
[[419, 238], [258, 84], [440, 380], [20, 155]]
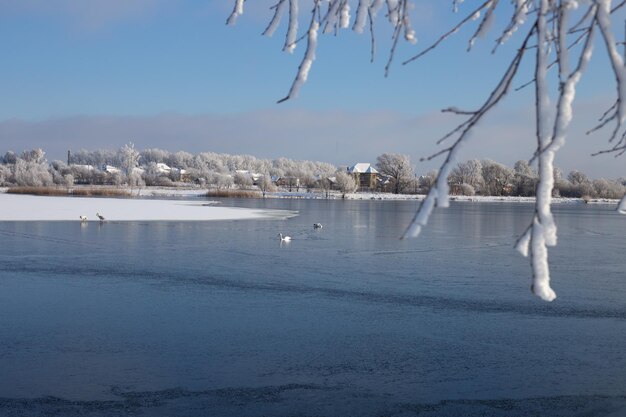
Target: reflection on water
[[172, 318]]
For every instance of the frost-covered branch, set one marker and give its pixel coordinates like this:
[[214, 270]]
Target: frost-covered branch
[[542, 233], [309, 55], [617, 112]]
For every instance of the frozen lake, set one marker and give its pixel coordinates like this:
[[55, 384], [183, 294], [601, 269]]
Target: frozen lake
[[221, 319]]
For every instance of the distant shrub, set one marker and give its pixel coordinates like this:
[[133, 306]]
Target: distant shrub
[[63, 191], [467, 189], [233, 193], [38, 190]]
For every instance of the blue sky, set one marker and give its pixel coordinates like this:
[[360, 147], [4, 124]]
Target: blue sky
[[170, 74]]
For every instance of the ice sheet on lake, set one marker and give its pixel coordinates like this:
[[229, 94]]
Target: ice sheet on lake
[[35, 208]]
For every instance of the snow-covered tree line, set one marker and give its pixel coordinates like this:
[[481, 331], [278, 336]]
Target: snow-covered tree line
[[128, 165], [556, 37], [148, 167], [494, 179]]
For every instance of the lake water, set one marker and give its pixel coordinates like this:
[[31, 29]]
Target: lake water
[[221, 319]]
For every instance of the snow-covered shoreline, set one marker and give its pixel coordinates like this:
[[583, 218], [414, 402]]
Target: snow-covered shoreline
[[420, 197], [16, 207], [481, 199], [172, 209]]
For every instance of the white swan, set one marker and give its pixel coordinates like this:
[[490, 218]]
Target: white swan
[[284, 238], [83, 218]]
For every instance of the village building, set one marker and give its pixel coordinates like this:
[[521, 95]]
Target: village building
[[365, 176]]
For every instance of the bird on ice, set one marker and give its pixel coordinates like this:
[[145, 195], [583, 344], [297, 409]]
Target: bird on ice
[[284, 238], [83, 218], [100, 216], [317, 225]]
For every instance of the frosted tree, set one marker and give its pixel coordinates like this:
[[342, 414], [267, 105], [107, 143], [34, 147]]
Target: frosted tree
[[498, 178], [153, 155], [265, 184], [554, 33], [468, 173], [345, 183], [397, 167], [128, 157], [525, 178]]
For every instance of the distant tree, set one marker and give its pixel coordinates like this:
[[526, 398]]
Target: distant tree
[[397, 167], [116, 178], [32, 174], [59, 170], [36, 156], [324, 184], [128, 158], [498, 178], [525, 179], [467, 189], [345, 183], [68, 180], [577, 177], [82, 174], [608, 189], [101, 157], [427, 181], [242, 180], [266, 184], [153, 155], [135, 180], [209, 161], [181, 159], [469, 172], [222, 180], [10, 158], [152, 176], [5, 175]]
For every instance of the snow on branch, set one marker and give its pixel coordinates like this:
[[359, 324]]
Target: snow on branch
[[309, 56], [554, 41], [237, 11]]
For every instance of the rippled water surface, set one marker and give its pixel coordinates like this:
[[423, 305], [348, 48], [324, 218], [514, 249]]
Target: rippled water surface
[[220, 318]]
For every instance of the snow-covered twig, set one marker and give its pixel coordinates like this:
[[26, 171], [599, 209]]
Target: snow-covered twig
[[518, 19], [237, 11], [309, 56], [292, 31], [278, 12], [485, 24]]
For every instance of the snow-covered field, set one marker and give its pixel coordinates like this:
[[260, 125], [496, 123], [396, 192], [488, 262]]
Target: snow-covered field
[[15, 207]]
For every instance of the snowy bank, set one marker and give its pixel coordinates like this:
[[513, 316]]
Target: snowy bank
[[476, 198], [14, 207]]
